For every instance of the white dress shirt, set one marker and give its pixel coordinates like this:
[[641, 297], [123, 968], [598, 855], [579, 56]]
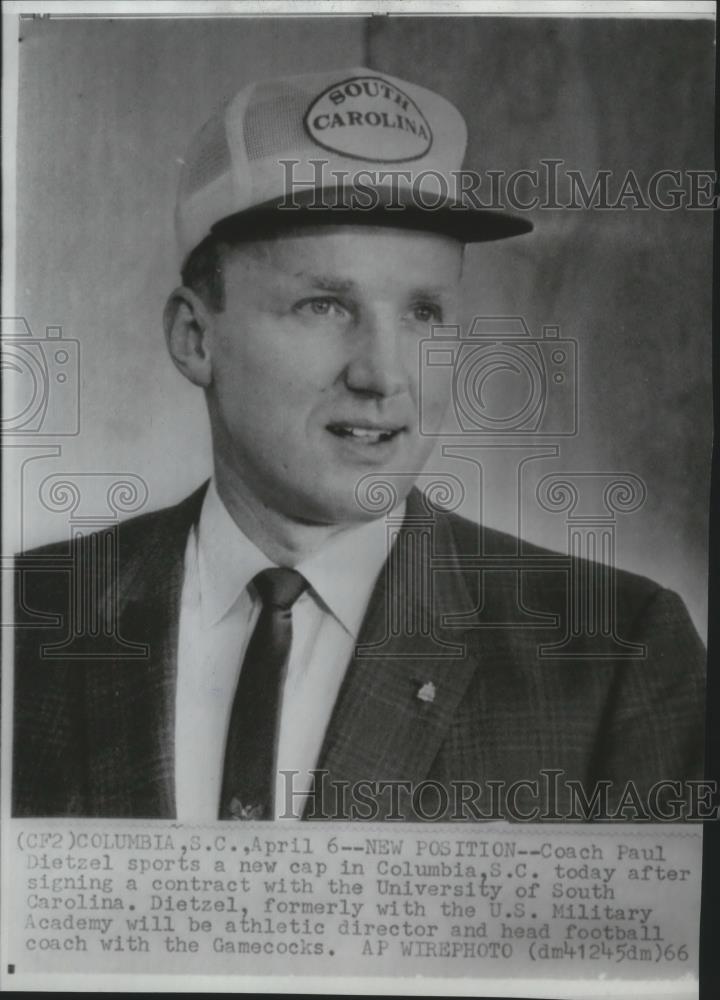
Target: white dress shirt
[[217, 617]]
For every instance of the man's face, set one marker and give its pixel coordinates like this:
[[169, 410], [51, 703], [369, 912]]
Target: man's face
[[315, 363]]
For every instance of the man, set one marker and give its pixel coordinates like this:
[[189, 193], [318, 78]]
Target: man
[[301, 653]]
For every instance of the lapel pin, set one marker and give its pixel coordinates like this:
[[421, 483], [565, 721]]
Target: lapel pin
[[427, 692], [240, 811]]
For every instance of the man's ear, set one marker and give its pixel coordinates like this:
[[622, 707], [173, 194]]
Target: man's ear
[[188, 327]]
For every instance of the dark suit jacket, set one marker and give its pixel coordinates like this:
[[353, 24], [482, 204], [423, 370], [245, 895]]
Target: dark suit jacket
[[94, 703]]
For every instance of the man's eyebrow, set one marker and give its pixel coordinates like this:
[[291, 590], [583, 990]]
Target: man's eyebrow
[[327, 282], [431, 292]]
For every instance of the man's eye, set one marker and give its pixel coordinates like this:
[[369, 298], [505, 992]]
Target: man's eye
[[321, 307], [427, 312]]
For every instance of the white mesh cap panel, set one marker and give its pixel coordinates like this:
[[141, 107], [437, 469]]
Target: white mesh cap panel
[[208, 157], [274, 122]]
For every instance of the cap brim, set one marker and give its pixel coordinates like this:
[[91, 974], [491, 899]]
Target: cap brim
[[389, 207]]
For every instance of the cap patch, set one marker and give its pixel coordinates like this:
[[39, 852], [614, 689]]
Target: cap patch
[[369, 118]]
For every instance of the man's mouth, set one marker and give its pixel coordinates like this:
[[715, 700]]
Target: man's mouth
[[365, 433]]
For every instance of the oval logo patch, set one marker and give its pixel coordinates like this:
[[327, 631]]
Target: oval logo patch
[[368, 118]]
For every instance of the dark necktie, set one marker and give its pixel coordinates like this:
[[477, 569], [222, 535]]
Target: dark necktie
[[248, 787]]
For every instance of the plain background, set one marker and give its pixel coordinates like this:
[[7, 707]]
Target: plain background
[[106, 108]]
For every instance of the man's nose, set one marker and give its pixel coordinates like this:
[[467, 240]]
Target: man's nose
[[376, 367]]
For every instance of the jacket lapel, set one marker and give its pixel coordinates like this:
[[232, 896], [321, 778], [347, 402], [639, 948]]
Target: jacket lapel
[[130, 699], [410, 670]]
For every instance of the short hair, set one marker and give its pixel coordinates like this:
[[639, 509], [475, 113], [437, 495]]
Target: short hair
[[203, 272]]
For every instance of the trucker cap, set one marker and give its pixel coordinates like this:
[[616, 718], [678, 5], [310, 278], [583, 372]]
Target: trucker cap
[[345, 145]]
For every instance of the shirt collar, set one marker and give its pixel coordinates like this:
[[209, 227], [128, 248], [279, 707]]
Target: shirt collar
[[344, 570], [342, 573], [227, 559]]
